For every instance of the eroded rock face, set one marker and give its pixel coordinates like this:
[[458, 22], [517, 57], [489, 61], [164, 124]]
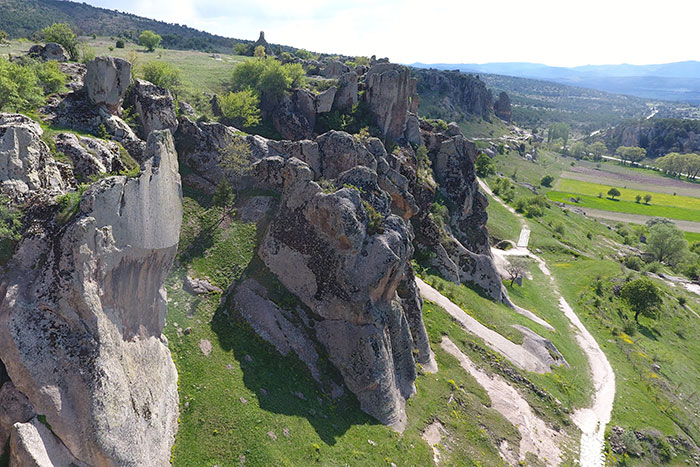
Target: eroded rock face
[[26, 164], [353, 274], [457, 94], [390, 90], [502, 107], [82, 308], [462, 254], [154, 106], [106, 82], [50, 51], [90, 156], [346, 95]]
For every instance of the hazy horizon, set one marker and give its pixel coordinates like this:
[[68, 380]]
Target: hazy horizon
[[545, 32]]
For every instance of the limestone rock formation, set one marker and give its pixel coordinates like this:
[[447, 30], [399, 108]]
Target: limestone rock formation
[[502, 107], [390, 92], [154, 107], [49, 51], [262, 42], [324, 100], [350, 269], [82, 308], [457, 94], [90, 156], [106, 81], [26, 164], [334, 69], [346, 95]]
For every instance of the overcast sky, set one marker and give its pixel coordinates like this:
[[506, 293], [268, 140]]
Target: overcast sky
[[555, 32]]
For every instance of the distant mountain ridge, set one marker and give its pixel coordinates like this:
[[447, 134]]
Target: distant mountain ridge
[[678, 81]]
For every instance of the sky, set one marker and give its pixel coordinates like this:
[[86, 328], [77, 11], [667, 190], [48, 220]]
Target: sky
[[554, 32]]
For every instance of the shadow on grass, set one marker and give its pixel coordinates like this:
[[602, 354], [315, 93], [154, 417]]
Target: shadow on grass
[[647, 332]]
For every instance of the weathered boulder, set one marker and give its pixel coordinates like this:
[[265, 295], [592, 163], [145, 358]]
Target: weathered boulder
[[334, 69], [81, 315], [346, 95], [390, 91], [90, 156], [154, 106], [341, 151], [294, 117], [49, 51], [199, 286], [502, 107], [413, 134], [106, 81], [346, 266], [33, 445], [324, 100], [14, 408], [76, 74], [26, 164]]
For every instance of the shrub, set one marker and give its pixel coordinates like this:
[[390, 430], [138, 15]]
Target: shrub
[[268, 77], [375, 223], [150, 40], [10, 229], [643, 296], [50, 77], [547, 181], [240, 108], [484, 166], [162, 74], [20, 89], [304, 54], [632, 262], [239, 48], [120, 43], [87, 53], [61, 33], [613, 192]]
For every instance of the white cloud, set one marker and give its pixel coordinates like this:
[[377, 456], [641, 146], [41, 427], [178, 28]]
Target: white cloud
[[556, 32]]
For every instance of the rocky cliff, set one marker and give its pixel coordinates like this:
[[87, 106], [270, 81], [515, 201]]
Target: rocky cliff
[[452, 95], [86, 377], [658, 136]]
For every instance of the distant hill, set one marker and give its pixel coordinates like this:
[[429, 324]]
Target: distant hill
[[23, 18], [679, 81]]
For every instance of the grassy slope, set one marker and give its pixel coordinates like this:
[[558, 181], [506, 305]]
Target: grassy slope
[[665, 400], [217, 427]]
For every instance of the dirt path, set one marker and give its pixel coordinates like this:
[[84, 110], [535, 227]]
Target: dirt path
[[591, 420], [517, 354], [536, 437]]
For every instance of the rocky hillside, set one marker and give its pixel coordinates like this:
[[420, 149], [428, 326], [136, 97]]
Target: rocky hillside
[[453, 95], [658, 136], [86, 377]]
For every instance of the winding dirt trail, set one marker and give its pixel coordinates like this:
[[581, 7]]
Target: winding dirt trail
[[590, 420]]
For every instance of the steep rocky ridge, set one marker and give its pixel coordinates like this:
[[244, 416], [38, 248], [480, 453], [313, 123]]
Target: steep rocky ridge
[[86, 377], [658, 136], [452, 95]]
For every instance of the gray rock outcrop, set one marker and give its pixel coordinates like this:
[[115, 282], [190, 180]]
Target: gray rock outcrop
[[346, 95], [106, 82], [154, 107], [352, 270], [49, 51], [82, 308], [90, 156], [455, 95], [502, 107], [390, 92], [26, 164]]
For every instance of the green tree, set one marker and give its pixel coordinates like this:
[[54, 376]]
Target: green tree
[[120, 43], [647, 198], [643, 296], [239, 48], [20, 89], [484, 166], [578, 149], [268, 77], [597, 149], [61, 33], [638, 198], [631, 153], [613, 192], [558, 131], [49, 76], [150, 40], [163, 74], [3, 37], [547, 181], [236, 158], [666, 243], [241, 108]]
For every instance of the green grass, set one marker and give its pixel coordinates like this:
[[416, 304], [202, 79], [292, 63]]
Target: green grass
[[502, 224], [628, 195], [628, 207], [692, 237], [216, 427]]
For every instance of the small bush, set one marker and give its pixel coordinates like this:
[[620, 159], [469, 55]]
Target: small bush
[[10, 229], [375, 224], [120, 43], [162, 74], [240, 108], [547, 181], [633, 262]]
